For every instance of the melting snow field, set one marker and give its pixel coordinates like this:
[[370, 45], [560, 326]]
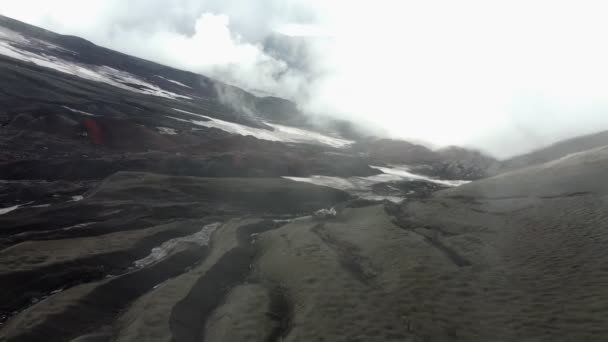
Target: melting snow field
[[174, 82], [200, 238], [362, 186], [280, 133], [9, 209], [15, 207], [10, 43], [78, 111], [403, 172]]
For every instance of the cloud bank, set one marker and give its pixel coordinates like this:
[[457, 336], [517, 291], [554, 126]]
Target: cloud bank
[[505, 77]]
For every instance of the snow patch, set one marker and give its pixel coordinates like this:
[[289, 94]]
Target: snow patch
[[280, 132], [373, 197], [9, 46], [403, 172], [78, 111], [200, 238], [296, 135], [175, 82], [40, 206], [126, 80], [9, 209], [15, 207], [166, 130], [10, 35], [328, 181], [362, 186], [325, 213], [78, 226], [294, 219]]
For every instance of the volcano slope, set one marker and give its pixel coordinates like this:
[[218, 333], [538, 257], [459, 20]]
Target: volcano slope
[[517, 257], [520, 256], [136, 204], [71, 268]]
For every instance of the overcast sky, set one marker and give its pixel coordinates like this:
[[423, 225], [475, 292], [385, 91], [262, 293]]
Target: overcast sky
[[502, 76]]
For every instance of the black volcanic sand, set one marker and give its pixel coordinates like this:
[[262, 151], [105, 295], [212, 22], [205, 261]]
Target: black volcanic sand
[[121, 220], [520, 256]]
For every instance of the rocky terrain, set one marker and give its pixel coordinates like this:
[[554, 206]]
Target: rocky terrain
[[143, 203]]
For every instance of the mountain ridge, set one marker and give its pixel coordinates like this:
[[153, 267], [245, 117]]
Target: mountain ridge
[[557, 150]]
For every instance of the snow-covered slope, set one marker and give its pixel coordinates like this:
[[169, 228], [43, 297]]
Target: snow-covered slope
[[49, 55], [14, 45], [279, 133], [362, 186]]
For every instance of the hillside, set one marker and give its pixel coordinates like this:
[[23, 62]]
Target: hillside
[[556, 151]]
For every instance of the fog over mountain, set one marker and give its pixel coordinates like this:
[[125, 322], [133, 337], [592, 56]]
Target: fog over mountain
[[503, 77]]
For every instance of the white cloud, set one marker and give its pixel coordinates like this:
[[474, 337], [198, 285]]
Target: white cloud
[[204, 42], [506, 76], [212, 49], [502, 76]]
